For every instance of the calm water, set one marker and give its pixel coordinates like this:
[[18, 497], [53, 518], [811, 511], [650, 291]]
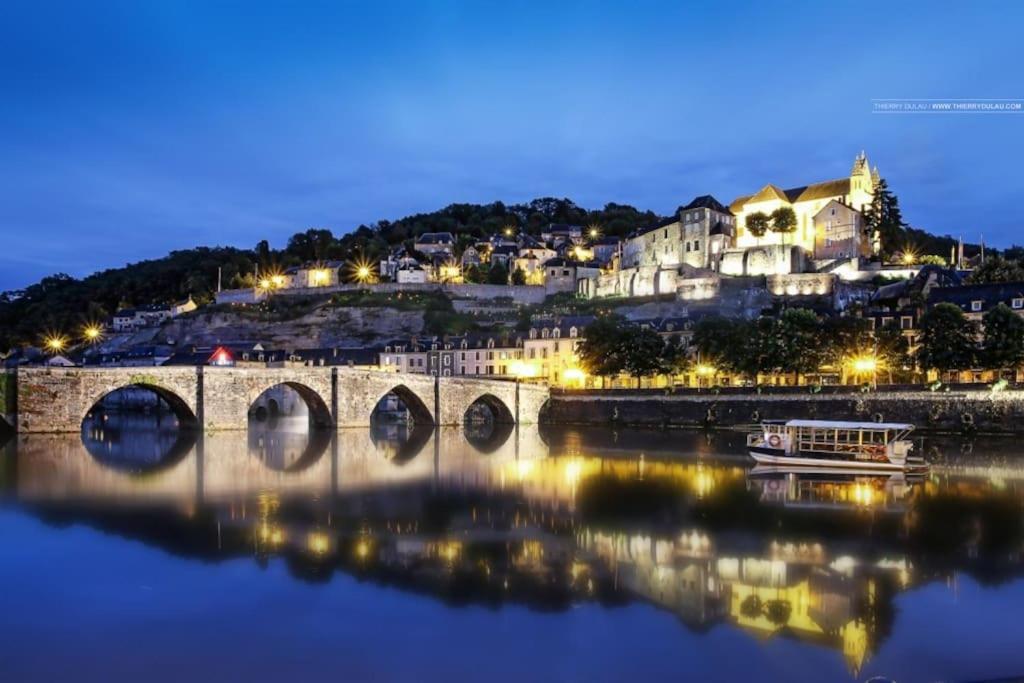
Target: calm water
[[139, 551]]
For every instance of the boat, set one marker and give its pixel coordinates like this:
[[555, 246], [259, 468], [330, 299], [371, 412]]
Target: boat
[[861, 446]]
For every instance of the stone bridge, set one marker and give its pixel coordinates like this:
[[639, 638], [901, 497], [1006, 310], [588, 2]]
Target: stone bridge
[[41, 400]]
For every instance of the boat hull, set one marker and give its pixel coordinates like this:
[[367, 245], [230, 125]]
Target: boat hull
[[765, 456]]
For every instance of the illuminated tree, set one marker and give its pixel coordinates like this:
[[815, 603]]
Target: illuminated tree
[[758, 224], [783, 221]]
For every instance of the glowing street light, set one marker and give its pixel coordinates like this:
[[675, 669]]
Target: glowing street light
[[363, 271], [92, 333], [594, 231], [55, 342]]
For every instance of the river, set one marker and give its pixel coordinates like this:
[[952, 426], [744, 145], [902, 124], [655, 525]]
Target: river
[[137, 550]]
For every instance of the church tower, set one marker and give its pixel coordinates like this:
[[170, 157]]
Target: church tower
[[862, 183]]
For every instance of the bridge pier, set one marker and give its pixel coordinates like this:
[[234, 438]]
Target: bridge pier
[[54, 400]]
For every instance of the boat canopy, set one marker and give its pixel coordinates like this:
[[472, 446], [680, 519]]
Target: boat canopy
[[838, 424]]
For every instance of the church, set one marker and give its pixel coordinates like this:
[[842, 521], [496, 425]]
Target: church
[[707, 240]]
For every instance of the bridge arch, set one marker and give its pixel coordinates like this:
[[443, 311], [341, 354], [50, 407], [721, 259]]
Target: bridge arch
[[416, 407], [266, 404], [178, 405]]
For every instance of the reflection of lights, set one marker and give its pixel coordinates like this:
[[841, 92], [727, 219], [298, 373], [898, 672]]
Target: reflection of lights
[[271, 535], [703, 482], [318, 542], [523, 469], [863, 494], [363, 548], [573, 470]]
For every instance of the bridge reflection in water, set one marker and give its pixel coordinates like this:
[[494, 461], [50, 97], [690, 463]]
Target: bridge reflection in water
[[546, 520]]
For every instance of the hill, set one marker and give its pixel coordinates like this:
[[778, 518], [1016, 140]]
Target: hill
[[60, 303]]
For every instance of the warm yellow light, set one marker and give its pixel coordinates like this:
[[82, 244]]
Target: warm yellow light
[[594, 233], [277, 280], [705, 370], [521, 369], [523, 469], [863, 494], [321, 277], [55, 343], [265, 283], [864, 364], [508, 231], [574, 375], [318, 542], [363, 271], [92, 332], [573, 471], [362, 549]]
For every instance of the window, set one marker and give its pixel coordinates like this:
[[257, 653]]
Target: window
[[906, 322], [573, 332], [1017, 303], [976, 306], [696, 245], [666, 233]]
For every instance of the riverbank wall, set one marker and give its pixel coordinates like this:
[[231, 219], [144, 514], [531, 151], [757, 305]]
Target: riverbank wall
[[961, 412]]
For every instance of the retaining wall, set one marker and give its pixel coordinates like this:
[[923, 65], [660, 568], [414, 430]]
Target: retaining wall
[[962, 412]]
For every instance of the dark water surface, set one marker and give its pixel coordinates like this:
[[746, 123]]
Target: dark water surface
[[142, 552]]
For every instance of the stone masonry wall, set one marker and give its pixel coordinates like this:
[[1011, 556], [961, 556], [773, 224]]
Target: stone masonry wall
[[58, 399], [979, 411]]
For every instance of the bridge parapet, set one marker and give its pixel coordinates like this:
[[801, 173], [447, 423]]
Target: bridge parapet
[[40, 400]]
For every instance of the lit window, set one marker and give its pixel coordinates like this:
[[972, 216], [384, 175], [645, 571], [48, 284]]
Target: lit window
[[976, 306], [1017, 303]]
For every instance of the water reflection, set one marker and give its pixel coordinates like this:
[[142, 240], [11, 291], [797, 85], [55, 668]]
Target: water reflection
[[137, 441], [677, 520]]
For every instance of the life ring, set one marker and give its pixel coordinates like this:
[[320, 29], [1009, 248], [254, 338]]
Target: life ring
[[774, 440]]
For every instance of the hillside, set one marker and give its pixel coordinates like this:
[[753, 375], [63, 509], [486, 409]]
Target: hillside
[[63, 304]]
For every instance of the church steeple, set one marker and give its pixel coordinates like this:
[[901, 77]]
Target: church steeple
[[860, 164]]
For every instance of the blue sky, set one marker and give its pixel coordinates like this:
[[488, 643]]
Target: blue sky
[[131, 128]]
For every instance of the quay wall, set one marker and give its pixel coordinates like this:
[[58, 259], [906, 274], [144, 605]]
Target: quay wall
[[957, 412], [519, 294]]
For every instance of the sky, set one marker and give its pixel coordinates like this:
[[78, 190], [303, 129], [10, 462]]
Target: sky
[[128, 129]]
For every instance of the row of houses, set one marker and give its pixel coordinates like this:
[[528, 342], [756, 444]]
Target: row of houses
[[133, 319]]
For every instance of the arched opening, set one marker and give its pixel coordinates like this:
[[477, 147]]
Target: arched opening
[[400, 425], [139, 428], [488, 423], [290, 427]]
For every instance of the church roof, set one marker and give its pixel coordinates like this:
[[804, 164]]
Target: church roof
[[805, 193]]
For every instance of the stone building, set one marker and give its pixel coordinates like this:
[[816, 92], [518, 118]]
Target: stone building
[[855, 191]]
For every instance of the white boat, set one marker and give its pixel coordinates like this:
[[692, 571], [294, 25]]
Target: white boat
[[861, 446]]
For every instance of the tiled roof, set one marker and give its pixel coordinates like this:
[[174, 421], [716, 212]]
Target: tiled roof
[[705, 201]]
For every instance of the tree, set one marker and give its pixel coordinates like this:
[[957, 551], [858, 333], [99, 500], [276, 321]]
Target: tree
[[1003, 342], [947, 339], [600, 351], [892, 348], [783, 221], [474, 274], [641, 352], [996, 269], [758, 223], [519, 276], [884, 219], [675, 356], [721, 342], [802, 350], [497, 275]]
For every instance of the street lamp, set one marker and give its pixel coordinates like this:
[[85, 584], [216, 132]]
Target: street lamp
[[92, 333], [55, 343]]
